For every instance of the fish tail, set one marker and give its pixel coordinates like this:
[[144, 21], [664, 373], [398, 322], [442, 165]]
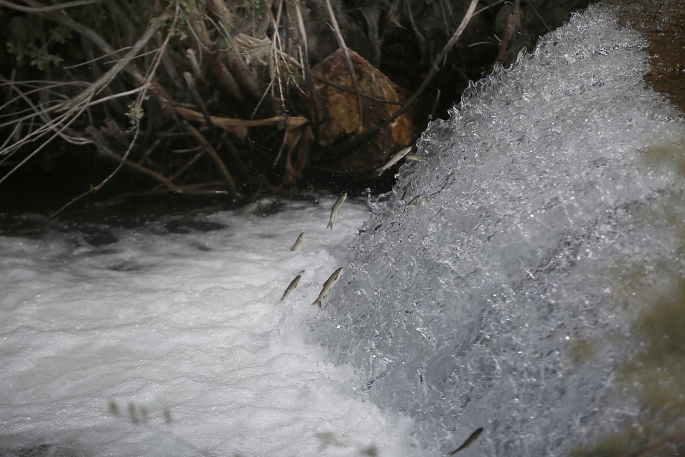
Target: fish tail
[[317, 302], [380, 170], [329, 225]]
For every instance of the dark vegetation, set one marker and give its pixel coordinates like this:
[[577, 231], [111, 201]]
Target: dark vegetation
[[111, 101]]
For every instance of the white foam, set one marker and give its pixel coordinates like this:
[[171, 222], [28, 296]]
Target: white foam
[[462, 311], [187, 325]]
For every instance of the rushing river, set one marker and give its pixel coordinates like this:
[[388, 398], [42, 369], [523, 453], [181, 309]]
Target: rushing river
[[516, 295], [494, 291], [169, 338]]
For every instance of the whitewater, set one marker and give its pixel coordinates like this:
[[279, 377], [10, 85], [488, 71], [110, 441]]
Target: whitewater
[[495, 303], [169, 338]]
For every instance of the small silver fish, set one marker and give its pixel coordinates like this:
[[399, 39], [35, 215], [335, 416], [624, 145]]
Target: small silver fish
[[396, 158], [298, 242], [469, 441], [291, 287], [414, 201], [335, 210], [328, 285], [415, 157]]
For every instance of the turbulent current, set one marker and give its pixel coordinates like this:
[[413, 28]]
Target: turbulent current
[[502, 299], [151, 337], [548, 185]]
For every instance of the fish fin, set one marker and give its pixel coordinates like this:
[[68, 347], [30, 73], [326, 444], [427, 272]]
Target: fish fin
[[317, 302], [380, 170], [329, 225]]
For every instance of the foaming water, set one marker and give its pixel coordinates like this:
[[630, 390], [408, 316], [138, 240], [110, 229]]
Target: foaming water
[[539, 195], [170, 339]]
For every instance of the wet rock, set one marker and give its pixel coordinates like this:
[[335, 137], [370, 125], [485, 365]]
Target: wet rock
[[339, 115]]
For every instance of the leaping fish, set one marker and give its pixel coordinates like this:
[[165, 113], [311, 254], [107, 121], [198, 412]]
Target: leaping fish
[[335, 210], [396, 158], [291, 287], [415, 157], [469, 441], [298, 242], [328, 285], [414, 201]]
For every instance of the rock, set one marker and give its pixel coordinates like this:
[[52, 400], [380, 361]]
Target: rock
[[339, 117]]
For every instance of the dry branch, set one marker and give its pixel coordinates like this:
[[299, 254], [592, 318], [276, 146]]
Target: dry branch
[[106, 151], [236, 64], [196, 96], [238, 127], [93, 88], [215, 157], [293, 9], [434, 69], [512, 23], [45, 9], [365, 95], [348, 63]]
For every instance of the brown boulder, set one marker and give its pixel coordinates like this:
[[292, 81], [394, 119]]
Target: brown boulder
[[338, 112]]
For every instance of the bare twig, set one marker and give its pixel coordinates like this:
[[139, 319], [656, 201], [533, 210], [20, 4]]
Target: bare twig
[[95, 59], [482, 42], [539, 17], [38, 89], [149, 150], [189, 164], [169, 66], [105, 150], [293, 9], [238, 67], [45, 9], [78, 28], [420, 38], [434, 69], [211, 59], [16, 132], [511, 27], [276, 49], [143, 54], [142, 94], [492, 5], [88, 94], [118, 95], [392, 13], [196, 96], [372, 14], [39, 111], [348, 62], [435, 104], [194, 64], [215, 157], [238, 127], [58, 132], [337, 86], [146, 83]]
